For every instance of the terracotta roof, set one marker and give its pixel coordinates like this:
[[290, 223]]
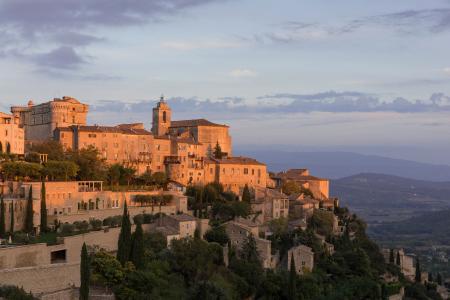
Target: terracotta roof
[[182, 217], [237, 160], [110, 129], [194, 123]]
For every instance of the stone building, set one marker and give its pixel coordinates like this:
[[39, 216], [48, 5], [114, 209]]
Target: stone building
[[270, 204], [127, 144], [303, 259], [11, 135], [240, 229], [39, 121], [182, 149], [318, 186], [72, 201]]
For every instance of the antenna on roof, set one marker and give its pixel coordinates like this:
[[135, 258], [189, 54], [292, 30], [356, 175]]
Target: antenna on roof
[[162, 98]]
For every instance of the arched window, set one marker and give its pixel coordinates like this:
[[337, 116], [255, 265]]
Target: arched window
[[8, 147], [164, 116]]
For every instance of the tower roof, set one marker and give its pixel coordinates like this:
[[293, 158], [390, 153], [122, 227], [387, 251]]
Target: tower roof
[[162, 103]]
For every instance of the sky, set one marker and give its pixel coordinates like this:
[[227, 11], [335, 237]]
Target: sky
[[351, 75]]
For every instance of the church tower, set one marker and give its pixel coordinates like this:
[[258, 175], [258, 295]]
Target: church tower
[[161, 118]]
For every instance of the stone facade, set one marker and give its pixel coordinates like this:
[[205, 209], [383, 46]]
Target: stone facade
[[12, 139], [303, 259], [39, 121], [270, 204], [72, 201], [238, 232], [182, 149], [318, 186]]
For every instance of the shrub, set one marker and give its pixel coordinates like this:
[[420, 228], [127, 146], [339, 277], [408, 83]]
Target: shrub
[[96, 224], [81, 226], [67, 229], [113, 221]]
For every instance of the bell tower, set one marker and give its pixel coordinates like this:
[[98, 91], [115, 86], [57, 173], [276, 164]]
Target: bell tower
[[161, 118]]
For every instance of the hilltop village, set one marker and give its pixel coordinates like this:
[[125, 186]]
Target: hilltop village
[[69, 188]]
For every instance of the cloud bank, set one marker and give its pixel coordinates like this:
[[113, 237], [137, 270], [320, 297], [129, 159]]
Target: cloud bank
[[336, 102]]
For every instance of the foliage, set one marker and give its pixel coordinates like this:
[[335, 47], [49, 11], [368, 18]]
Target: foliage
[[124, 242], [13, 292], [322, 222], [218, 154], [246, 196], [67, 229], [112, 221], [21, 169], [137, 247], [218, 235], [43, 224], [54, 149], [91, 165], [11, 217], [84, 273], [60, 170], [96, 224], [2, 218], [418, 276], [119, 175]]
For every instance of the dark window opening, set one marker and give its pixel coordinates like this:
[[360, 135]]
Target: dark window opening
[[58, 257]]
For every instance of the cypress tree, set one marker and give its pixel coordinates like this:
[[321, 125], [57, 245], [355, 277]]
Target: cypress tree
[[246, 197], [12, 218], [43, 209], [398, 259], [439, 279], [391, 256], [29, 213], [137, 249], [85, 273], [2, 217], [218, 151], [124, 246], [418, 277], [430, 277], [292, 288]]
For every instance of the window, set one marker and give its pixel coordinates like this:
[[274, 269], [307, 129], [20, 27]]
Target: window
[[245, 171], [253, 171], [164, 117]]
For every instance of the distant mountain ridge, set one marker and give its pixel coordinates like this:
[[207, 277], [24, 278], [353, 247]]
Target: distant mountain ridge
[[384, 198], [336, 165]]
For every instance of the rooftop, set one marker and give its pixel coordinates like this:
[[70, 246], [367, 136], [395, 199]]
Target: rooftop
[[182, 217], [110, 129], [237, 160], [194, 123]]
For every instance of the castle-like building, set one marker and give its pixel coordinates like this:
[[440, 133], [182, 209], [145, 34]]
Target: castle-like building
[[182, 149]]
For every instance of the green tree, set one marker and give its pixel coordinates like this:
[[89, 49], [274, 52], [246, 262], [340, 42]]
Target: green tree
[[85, 273], [91, 165], [54, 149], [217, 234], [218, 154], [391, 256], [12, 218], [246, 196], [44, 226], [137, 249], [398, 261], [418, 277], [124, 246], [430, 277], [160, 179], [249, 250], [290, 187], [292, 287], [60, 170], [29, 226], [439, 279], [2, 217]]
